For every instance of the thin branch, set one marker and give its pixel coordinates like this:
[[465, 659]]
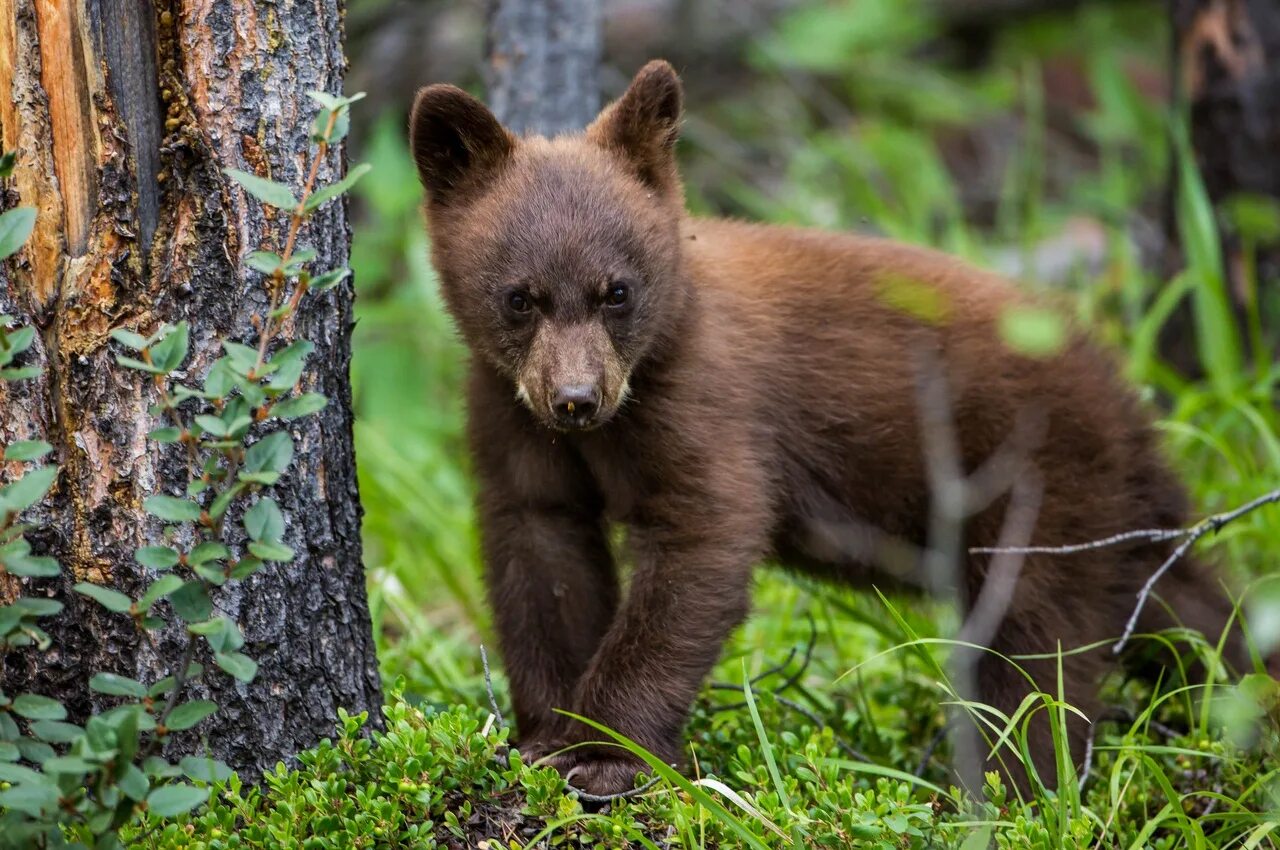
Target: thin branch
[[787, 684], [587, 796], [1191, 534], [932, 748], [488, 687], [1151, 535]]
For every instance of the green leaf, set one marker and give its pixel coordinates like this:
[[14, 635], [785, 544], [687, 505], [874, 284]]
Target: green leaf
[[35, 751], [36, 707], [212, 425], [25, 450], [267, 262], [327, 193], [242, 357], [7, 162], [156, 557], [15, 227], [272, 453], [159, 589], [37, 567], [9, 752], [190, 713], [329, 279], [129, 339], [165, 435], [267, 191], [133, 782], [271, 551], [221, 378], [17, 341], [120, 686], [211, 573], [169, 352], [29, 799], [19, 374], [237, 664], [16, 773], [38, 607], [224, 499], [29, 489], [266, 479], [205, 769], [112, 600], [55, 731], [287, 363], [69, 765], [131, 363], [327, 101], [303, 405], [209, 550], [162, 687], [191, 602], [246, 567], [8, 731], [171, 800], [300, 258], [222, 634], [172, 510], [158, 768], [264, 521]]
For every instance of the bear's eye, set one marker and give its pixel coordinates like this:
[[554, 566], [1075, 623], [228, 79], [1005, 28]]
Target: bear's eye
[[617, 295], [519, 302]]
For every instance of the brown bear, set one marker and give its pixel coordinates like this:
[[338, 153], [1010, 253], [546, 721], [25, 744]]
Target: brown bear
[[732, 393]]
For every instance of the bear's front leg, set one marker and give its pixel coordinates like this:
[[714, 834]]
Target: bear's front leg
[[690, 588], [551, 583]]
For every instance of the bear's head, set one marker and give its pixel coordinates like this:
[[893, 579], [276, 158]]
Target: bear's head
[[558, 258]]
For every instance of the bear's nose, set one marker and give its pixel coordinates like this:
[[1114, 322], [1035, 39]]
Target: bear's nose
[[575, 405]]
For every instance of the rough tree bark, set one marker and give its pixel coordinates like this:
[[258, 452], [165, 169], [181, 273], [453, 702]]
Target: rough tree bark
[[123, 114], [1226, 64], [543, 73]]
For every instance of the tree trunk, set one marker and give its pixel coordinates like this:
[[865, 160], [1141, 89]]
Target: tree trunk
[[544, 64], [1227, 67], [123, 114]]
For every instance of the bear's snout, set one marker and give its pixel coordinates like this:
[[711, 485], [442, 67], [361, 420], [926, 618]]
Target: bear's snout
[[575, 405]]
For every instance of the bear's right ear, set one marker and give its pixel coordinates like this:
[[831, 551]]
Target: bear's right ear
[[456, 141]]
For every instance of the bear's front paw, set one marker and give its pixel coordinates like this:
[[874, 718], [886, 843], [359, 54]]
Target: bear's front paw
[[597, 773]]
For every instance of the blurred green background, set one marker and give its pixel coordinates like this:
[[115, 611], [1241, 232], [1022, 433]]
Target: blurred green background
[[1044, 146]]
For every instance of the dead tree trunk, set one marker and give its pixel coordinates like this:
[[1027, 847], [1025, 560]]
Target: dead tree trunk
[[544, 64], [123, 114], [1227, 68]]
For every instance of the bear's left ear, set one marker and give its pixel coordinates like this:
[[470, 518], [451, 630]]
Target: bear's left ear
[[642, 126]]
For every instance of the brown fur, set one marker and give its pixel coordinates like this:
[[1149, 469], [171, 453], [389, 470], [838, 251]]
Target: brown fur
[[756, 393]]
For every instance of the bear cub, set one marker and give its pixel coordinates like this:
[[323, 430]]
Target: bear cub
[[732, 393]]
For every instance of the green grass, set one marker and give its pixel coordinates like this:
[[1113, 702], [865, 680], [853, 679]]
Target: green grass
[[1188, 766]]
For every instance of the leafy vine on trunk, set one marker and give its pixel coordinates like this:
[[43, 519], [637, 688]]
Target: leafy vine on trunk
[[63, 782]]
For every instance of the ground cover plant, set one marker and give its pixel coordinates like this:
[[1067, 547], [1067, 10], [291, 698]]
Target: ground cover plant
[[825, 723], [849, 748]]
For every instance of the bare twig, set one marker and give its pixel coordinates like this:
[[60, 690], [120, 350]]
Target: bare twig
[[819, 723], [588, 797], [932, 748], [1190, 535], [1088, 757], [1150, 535], [488, 687], [787, 683]]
